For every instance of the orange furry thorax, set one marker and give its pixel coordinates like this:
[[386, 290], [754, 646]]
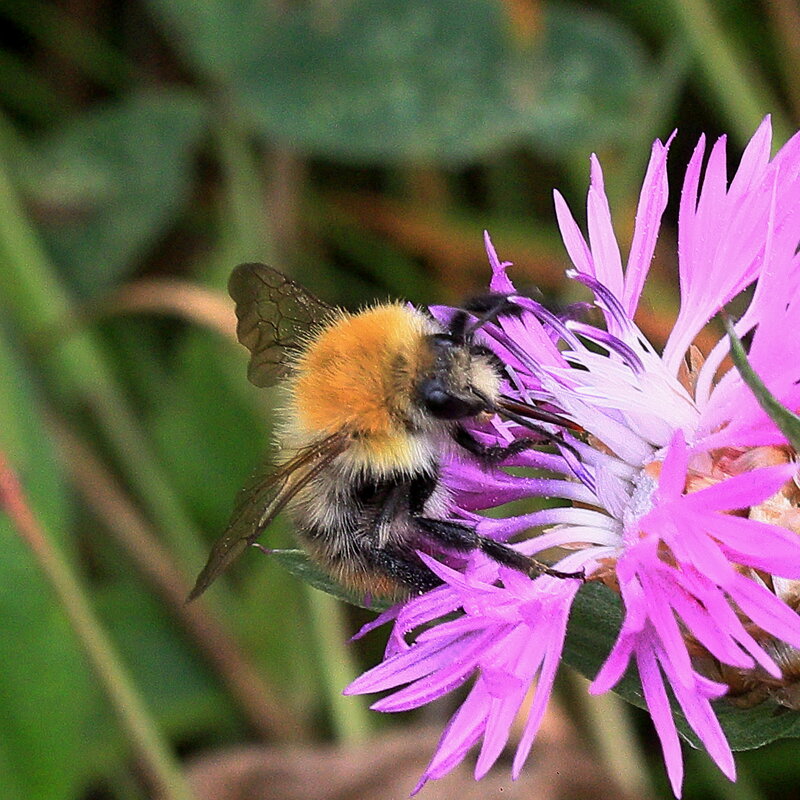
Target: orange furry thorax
[[358, 373]]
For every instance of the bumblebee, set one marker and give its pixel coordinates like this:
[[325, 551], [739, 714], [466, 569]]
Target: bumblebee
[[375, 399]]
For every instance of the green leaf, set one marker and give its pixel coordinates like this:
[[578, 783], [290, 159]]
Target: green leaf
[[186, 697], [589, 76], [110, 183], [382, 81], [208, 470], [214, 35], [788, 422], [593, 627], [299, 564], [46, 694], [379, 80]]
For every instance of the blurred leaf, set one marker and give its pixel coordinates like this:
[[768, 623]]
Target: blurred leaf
[[214, 34], [207, 437], [46, 697], [182, 691], [381, 80], [26, 92], [591, 74], [62, 31], [377, 80], [107, 185]]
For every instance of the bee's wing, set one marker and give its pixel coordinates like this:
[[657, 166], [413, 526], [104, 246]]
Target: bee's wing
[[274, 314], [260, 501]]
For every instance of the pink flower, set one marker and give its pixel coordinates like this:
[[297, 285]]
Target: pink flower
[[687, 504]]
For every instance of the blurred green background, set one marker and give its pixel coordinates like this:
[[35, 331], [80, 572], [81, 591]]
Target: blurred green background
[[362, 146]]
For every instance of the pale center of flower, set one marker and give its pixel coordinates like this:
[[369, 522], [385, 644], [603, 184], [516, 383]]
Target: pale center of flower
[[640, 502]]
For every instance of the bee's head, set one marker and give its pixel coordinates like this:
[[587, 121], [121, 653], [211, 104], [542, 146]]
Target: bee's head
[[463, 380]]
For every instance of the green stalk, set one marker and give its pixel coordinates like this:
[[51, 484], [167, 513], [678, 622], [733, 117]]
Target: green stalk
[[349, 716], [665, 85], [739, 90], [715, 784], [34, 298], [613, 736], [164, 772], [243, 222]]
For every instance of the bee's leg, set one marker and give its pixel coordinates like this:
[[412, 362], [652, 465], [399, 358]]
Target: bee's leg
[[406, 568], [463, 538], [420, 489], [490, 453], [384, 503]]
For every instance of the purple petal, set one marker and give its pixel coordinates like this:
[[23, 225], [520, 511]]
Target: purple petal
[[460, 734], [499, 282], [425, 659], [576, 246], [767, 547], [652, 202], [602, 240], [655, 696], [672, 480], [529, 653], [555, 637], [741, 491], [610, 674], [754, 159], [449, 674], [703, 721], [662, 619], [766, 610]]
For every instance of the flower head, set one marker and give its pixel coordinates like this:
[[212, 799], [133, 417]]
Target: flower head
[[679, 493]]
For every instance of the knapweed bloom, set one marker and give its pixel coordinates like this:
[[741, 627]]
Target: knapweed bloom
[[678, 493]]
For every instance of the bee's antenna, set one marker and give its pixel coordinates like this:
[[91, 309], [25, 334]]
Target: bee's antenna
[[497, 304], [532, 412], [505, 409], [553, 439]]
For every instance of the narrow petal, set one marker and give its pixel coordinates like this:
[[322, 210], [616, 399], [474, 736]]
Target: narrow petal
[[603, 242], [655, 696], [652, 202], [577, 249], [544, 687], [741, 491]]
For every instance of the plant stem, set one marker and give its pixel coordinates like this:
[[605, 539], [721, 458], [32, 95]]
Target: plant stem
[[163, 771], [33, 297], [266, 712], [614, 737], [242, 214], [350, 719], [739, 90]]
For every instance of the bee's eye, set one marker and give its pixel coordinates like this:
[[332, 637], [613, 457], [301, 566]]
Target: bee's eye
[[444, 405]]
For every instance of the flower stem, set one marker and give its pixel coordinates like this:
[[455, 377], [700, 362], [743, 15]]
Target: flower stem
[[350, 719], [163, 771], [740, 91], [614, 737], [268, 713], [243, 229], [74, 365]]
